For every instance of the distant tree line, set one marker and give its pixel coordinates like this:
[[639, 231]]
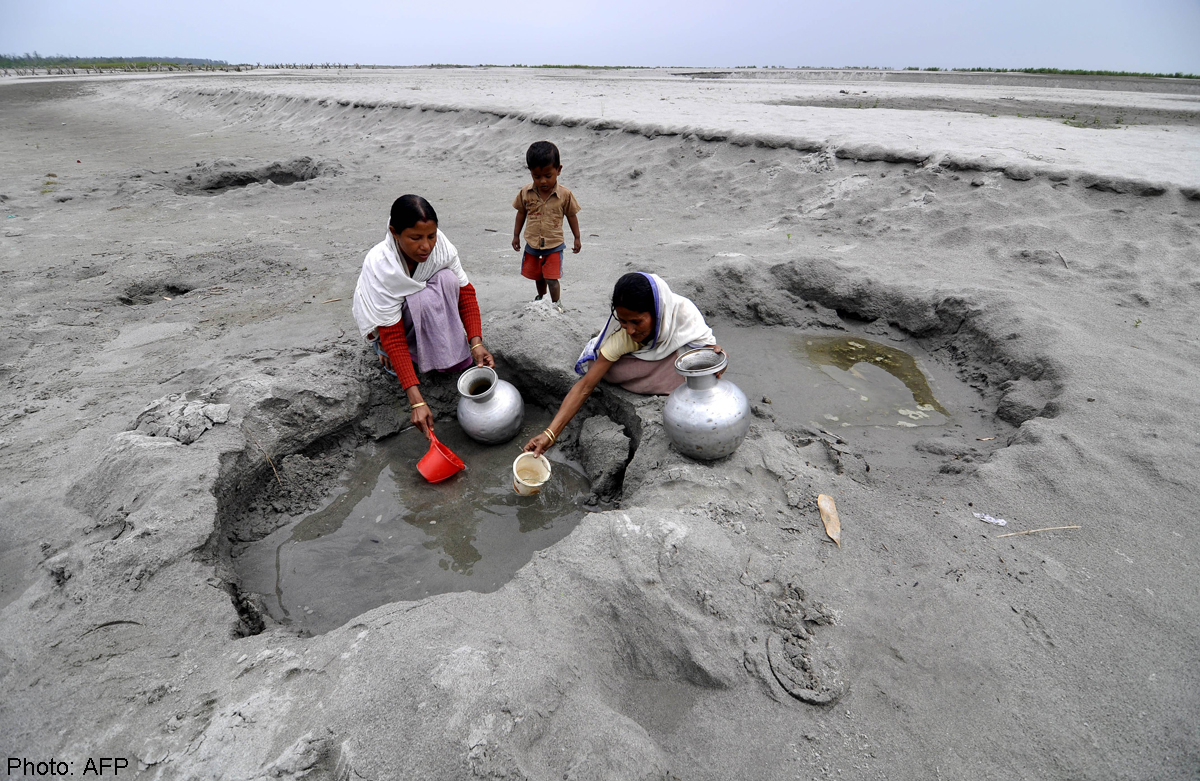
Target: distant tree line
[[1065, 72], [33, 63], [323, 66], [36, 60]]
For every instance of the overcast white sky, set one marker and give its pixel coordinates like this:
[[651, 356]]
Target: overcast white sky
[[1137, 35]]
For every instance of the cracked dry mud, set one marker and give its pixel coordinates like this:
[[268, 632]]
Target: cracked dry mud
[[164, 356]]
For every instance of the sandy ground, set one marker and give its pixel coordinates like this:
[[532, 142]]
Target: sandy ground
[[703, 627]]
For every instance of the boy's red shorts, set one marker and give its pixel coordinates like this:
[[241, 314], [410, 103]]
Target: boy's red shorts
[[541, 264]]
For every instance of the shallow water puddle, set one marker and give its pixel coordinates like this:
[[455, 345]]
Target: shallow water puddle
[[387, 535], [884, 385], [842, 381]]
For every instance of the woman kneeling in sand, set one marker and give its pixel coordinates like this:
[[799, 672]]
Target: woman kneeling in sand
[[636, 349], [413, 302]]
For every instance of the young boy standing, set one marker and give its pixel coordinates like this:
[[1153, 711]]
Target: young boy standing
[[541, 207]]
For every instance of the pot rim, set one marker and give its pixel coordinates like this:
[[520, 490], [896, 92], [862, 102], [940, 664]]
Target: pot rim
[[686, 363], [477, 372]]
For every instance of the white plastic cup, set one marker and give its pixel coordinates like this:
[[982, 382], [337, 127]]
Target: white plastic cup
[[530, 473]]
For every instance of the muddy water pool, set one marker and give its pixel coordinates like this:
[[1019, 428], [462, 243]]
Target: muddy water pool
[[387, 535], [842, 381]]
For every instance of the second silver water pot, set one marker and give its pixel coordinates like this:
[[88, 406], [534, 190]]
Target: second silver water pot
[[707, 417]]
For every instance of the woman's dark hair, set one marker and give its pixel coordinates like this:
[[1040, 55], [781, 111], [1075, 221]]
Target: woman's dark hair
[[408, 210], [634, 292]]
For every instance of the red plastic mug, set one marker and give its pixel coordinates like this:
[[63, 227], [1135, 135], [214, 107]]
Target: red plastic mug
[[439, 463]]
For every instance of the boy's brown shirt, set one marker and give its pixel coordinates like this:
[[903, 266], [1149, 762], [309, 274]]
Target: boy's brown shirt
[[544, 219]]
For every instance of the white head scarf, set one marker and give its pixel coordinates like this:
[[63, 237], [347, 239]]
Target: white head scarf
[[678, 323], [384, 282]]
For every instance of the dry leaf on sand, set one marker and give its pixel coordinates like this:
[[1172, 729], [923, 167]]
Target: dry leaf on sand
[[829, 517]]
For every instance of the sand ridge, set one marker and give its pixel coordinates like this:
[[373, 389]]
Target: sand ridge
[[782, 112]]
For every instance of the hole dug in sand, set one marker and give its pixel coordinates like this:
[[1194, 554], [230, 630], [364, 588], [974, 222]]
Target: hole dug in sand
[[140, 293], [350, 525], [220, 175], [387, 535], [875, 368]]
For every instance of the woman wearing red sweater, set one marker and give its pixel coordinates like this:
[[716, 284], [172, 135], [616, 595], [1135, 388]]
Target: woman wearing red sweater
[[414, 302]]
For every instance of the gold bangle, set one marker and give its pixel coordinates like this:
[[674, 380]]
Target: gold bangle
[[477, 345], [550, 434], [418, 404]]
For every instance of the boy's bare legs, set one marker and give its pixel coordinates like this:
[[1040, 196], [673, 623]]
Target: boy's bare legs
[[555, 290], [541, 288]]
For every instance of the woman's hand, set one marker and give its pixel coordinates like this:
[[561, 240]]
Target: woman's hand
[[538, 445], [385, 361], [716, 348], [481, 355], [420, 416]]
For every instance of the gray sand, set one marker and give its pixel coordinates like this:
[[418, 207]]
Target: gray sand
[[702, 626]]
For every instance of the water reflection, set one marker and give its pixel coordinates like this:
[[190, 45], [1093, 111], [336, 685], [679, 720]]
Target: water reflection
[[389, 535]]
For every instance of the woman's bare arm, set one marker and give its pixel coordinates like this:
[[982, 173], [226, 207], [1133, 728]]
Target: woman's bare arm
[[571, 405]]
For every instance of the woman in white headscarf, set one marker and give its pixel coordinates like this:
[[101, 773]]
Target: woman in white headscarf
[[413, 302], [648, 327]]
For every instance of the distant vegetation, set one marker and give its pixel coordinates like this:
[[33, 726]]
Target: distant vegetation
[[58, 63], [32, 64], [36, 60], [1065, 72], [28, 63], [584, 67]]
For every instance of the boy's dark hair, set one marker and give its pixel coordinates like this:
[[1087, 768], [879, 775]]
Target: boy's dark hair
[[541, 154], [633, 291], [408, 210]]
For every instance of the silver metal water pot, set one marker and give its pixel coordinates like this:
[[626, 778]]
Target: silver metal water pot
[[490, 410], [706, 418]]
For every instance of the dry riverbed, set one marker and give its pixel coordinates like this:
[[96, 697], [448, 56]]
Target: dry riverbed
[[182, 378]]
